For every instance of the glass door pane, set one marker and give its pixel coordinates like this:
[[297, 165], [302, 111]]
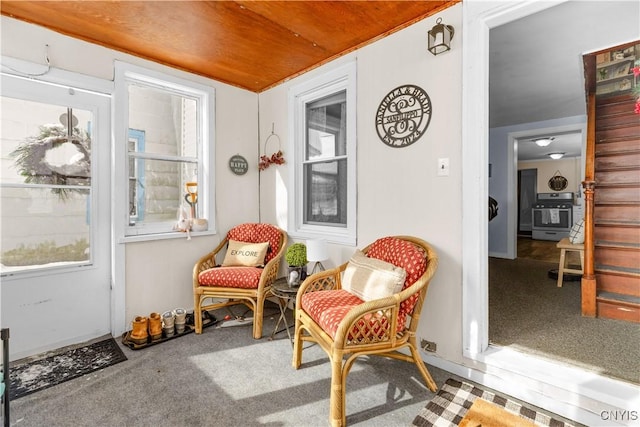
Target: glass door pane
[[45, 178]]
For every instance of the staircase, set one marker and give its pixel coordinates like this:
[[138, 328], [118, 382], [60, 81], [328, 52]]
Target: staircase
[[616, 208]]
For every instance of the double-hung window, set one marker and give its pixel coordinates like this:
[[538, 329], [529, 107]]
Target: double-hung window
[[324, 147], [164, 144]]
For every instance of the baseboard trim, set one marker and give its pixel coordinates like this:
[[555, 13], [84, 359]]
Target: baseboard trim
[[500, 255]]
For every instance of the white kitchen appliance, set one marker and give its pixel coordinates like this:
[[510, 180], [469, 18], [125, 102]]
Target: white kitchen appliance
[[552, 216]]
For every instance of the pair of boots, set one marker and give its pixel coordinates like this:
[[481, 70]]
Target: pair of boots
[[144, 327], [174, 321]]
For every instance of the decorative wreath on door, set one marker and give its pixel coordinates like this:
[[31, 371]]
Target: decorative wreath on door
[[558, 182]]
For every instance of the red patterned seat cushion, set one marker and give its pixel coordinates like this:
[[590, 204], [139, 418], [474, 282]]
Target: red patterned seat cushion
[[232, 277], [258, 233], [328, 308]]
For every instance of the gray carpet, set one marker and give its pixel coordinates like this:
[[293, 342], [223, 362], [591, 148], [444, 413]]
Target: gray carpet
[[527, 311], [226, 378]]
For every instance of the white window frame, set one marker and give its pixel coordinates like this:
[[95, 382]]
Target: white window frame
[[36, 89], [339, 79], [126, 74]]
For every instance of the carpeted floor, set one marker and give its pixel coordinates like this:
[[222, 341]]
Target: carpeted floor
[[226, 378], [528, 312]]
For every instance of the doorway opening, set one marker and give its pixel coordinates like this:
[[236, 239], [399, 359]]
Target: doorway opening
[[527, 311], [527, 190], [538, 380]]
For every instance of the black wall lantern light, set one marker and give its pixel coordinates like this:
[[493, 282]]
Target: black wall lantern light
[[440, 37]]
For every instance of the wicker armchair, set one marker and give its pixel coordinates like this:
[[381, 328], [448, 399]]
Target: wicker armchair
[[249, 286], [347, 327]]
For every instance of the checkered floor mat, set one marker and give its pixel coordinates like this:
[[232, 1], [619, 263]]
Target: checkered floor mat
[[454, 399]]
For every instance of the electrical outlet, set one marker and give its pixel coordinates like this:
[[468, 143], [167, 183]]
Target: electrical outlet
[[429, 346]]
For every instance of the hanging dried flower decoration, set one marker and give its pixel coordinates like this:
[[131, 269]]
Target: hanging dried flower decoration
[[276, 158]]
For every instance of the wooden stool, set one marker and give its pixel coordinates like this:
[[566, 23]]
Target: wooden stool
[[564, 245]]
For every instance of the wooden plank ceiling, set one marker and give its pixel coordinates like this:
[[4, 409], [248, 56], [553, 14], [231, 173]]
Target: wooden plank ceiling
[[250, 44]]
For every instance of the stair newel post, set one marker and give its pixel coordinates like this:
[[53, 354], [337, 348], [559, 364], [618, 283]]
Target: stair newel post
[[588, 276], [588, 284]]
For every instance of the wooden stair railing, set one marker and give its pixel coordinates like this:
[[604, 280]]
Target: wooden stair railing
[[588, 283], [616, 215], [611, 277]]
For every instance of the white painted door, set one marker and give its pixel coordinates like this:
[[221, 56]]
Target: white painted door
[[55, 215]]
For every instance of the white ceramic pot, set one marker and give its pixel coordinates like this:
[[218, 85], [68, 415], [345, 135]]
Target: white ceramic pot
[[199, 224]]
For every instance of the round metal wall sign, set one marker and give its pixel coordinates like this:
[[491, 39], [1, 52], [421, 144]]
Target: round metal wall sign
[[558, 183], [238, 164], [403, 116]]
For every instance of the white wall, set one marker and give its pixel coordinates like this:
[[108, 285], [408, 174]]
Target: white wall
[[502, 185], [567, 167], [398, 189], [158, 273]]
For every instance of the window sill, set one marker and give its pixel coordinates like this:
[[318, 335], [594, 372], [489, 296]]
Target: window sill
[[164, 236], [337, 238]]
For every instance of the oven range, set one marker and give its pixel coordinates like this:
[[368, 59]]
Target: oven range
[[552, 216]]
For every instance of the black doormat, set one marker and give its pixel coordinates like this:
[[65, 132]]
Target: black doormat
[[35, 375]]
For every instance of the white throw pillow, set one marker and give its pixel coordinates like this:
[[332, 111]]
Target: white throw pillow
[[576, 235], [371, 278], [245, 254]]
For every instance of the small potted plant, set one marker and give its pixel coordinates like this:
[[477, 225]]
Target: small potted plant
[[296, 257]]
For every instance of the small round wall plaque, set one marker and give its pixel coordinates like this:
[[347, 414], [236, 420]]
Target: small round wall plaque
[[558, 183], [403, 116], [238, 164]]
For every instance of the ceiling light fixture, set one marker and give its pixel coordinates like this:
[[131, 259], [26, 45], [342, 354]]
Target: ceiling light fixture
[[543, 142], [440, 37], [556, 156]]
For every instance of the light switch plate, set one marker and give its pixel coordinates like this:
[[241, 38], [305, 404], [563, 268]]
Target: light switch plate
[[443, 167]]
